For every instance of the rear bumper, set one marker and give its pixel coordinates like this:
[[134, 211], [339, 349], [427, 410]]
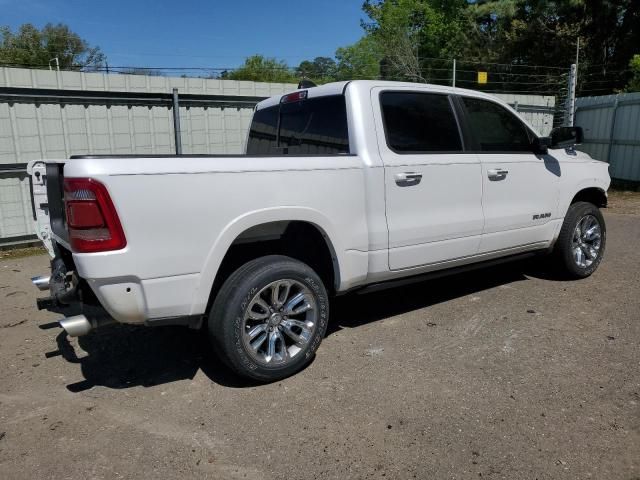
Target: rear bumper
[[133, 300], [162, 301], [123, 300]]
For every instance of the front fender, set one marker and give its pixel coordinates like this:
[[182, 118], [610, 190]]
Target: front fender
[[580, 176], [599, 180]]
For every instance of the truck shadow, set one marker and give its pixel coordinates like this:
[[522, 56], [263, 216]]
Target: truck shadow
[[123, 356], [355, 310]]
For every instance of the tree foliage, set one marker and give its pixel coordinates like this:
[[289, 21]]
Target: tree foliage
[[30, 46], [415, 33], [360, 60], [634, 83], [321, 69], [258, 68], [411, 31], [546, 31]]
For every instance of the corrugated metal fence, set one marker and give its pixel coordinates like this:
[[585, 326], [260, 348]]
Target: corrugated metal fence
[[49, 114], [611, 126]]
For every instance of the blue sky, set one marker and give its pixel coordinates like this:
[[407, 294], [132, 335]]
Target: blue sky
[[198, 33]]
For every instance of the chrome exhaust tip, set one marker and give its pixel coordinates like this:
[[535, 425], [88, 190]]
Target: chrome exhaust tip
[[76, 326], [41, 282], [80, 325]]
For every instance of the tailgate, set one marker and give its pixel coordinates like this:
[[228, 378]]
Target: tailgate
[[47, 202]]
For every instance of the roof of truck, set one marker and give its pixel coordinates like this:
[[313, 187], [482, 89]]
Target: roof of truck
[[338, 88]]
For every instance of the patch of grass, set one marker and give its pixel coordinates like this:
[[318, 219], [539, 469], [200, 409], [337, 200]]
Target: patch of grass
[[21, 252]]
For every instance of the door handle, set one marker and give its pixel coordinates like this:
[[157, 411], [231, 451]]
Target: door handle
[[497, 174], [408, 179]]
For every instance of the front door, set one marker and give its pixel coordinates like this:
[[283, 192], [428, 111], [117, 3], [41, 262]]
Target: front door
[[433, 188], [520, 188]]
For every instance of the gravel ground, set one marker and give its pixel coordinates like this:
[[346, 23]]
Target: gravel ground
[[506, 373]]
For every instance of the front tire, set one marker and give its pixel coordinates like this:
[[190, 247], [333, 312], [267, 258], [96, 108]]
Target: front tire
[[580, 245], [269, 318]]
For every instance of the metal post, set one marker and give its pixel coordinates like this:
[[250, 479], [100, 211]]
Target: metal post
[[613, 128], [176, 122], [453, 83], [571, 97], [55, 59]]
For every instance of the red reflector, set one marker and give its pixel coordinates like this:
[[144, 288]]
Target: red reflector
[[84, 215], [92, 220], [294, 97]]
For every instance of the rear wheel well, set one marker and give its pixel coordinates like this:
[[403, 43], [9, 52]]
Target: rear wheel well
[[593, 195], [300, 240]]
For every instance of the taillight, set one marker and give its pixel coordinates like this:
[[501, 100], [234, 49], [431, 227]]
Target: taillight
[[92, 221]]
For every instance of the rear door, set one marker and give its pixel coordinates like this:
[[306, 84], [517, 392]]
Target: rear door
[[433, 187], [520, 188]]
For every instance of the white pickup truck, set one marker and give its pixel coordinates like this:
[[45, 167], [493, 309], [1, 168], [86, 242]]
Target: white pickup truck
[[353, 185]]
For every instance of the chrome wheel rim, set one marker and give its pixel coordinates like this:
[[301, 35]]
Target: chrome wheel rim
[[587, 241], [279, 322]]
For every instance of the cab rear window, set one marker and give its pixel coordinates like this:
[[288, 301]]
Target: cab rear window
[[315, 126]]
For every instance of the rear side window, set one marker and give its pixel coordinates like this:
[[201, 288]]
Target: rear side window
[[307, 127], [419, 122], [495, 128], [263, 132]]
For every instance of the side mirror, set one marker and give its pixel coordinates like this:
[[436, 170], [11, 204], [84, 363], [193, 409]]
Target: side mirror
[[566, 137], [541, 145]]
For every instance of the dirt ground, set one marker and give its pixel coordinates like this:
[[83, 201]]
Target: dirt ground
[[624, 201], [507, 373]]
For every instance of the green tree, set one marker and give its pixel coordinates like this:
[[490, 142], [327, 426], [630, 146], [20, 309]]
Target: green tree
[[321, 69], [412, 33], [360, 60], [258, 68], [417, 39], [634, 83], [29, 46], [546, 32]]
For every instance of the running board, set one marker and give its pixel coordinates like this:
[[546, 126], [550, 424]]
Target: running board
[[375, 287]]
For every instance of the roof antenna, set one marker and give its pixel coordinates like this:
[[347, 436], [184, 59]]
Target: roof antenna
[[304, 83]]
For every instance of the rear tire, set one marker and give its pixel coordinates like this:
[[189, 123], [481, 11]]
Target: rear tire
[[269, 318], [580, 245]]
